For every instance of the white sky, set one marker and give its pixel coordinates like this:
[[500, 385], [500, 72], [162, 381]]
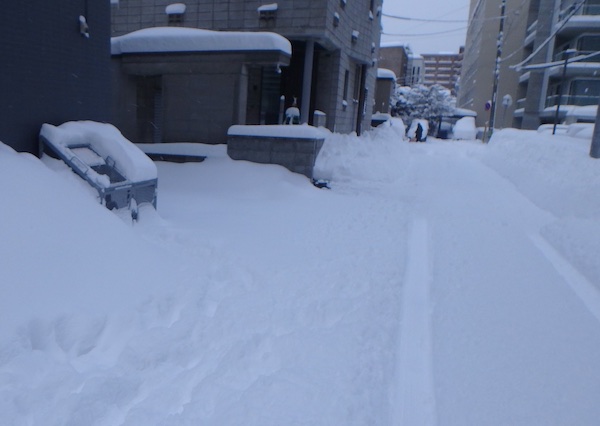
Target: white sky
[[451, 35]]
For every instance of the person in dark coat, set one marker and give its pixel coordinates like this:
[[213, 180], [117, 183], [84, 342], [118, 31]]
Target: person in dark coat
[[419, 133]]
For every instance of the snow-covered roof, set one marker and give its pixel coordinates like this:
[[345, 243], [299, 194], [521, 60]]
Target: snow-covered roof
[[177, 39], [392, 44], [302, 131], [386, 73]]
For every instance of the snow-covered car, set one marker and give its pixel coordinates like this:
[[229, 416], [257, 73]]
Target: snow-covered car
[[465, 129]]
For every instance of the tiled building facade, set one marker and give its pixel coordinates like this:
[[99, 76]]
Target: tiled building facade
[[334, 50]]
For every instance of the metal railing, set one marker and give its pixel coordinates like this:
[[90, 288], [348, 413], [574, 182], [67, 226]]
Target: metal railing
[[560, 56], [586, 9], [577, 100]]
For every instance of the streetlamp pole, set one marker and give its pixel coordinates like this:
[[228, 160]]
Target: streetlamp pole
[[562, 84]]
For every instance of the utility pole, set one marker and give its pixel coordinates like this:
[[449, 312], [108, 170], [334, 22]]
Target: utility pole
[[595, 148], [566, 53], [497, 68]]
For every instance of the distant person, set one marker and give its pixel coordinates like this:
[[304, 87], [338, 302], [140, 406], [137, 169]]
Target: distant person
[[419, 133]]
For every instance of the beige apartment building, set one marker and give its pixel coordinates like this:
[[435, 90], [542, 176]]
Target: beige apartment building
[[479, 62], [443, 69], [537, 37]]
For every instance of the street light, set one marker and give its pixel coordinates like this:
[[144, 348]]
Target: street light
[[562, 84]]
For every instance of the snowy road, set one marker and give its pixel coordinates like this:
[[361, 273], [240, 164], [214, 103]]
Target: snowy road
[[445, 283], [507, 310]]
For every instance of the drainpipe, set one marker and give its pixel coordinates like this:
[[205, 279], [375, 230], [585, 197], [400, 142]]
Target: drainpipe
[[307, 81]]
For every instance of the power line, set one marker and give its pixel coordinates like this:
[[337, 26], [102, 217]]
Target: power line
[[424, 34], [406, 18]]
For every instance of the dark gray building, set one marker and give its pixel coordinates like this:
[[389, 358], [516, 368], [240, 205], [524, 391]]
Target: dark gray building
[[55, 67], [332, 67]]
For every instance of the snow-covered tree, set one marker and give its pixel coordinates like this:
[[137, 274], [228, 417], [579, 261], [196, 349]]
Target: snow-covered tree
[[426, 102]]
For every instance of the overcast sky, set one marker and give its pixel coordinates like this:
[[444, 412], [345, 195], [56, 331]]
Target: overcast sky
[[418, 34]]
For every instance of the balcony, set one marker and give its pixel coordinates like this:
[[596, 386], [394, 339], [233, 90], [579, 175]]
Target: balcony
[[588, 67], [587, 18], [530, 34]]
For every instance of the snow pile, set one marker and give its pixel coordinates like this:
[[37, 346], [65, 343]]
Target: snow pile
[[465, 129], [379, 156], [178, 39], [64, 257], [556, 173]]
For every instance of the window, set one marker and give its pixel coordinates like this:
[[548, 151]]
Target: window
[[357, 71], [346, 78]]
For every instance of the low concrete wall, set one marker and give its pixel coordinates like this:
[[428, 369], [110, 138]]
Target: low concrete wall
[[296, 154]]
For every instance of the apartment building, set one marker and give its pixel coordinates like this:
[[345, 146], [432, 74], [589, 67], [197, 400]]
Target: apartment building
[[573, 28], [395, 56], [537, 36], [334, 50], [443, 69], [479, 62]]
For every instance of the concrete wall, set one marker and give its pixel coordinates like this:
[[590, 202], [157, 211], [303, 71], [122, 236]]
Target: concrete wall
[[49, 72], [296, 154], [199, 95]]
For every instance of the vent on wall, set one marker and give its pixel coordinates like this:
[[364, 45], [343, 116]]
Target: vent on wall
[[175, 12], [267, 15]]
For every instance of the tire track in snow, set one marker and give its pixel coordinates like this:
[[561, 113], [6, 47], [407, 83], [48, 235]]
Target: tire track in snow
[[585, 290], [414, 402]]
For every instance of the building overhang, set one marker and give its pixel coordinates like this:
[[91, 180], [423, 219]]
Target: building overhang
[[168, 40]]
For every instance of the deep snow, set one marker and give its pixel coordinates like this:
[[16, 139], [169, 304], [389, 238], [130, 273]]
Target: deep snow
[[440, 283]]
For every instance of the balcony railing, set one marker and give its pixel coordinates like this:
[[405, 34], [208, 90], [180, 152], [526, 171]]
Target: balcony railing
[[560, 56], [586, 9], [577, 100]]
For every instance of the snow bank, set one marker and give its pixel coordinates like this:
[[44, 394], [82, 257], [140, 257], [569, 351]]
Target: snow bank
[[556, 173], [64, 255], [378, 156], [177, 39]]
